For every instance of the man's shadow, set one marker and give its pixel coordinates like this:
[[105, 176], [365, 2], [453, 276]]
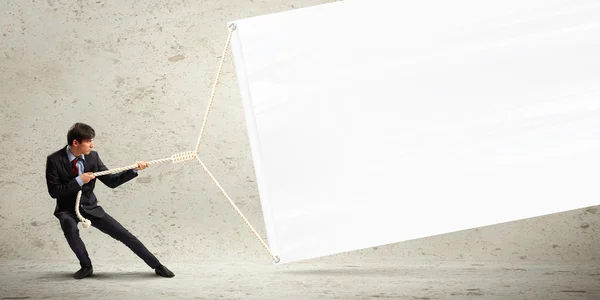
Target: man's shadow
[[126, 276]]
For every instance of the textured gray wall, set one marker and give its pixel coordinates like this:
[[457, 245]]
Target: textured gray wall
[[141, 72]]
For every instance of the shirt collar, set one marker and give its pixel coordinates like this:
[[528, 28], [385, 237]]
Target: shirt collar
[[71, 156]]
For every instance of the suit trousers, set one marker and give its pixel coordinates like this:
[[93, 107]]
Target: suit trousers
[[108, 225]]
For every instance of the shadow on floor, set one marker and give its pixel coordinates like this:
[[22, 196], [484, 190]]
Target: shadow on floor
[[99, 275]]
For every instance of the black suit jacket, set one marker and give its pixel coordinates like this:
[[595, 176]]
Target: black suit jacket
[[63, 186]]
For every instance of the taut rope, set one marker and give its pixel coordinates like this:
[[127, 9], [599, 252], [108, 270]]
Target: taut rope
[[185, 156], [175, 158]]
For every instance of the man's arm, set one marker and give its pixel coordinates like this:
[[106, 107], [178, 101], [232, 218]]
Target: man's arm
[[114, 180], [56, 188]]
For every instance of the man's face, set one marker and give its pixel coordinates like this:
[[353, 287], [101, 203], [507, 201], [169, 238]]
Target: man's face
[[85, 147]]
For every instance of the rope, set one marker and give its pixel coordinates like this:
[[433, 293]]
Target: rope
[[86, 223], [232, 27], [175, 158], [189, 155], [275, 258]]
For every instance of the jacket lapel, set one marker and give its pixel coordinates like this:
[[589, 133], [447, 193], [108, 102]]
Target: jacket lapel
[[87, 164]]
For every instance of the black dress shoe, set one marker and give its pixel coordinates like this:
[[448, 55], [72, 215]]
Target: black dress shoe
[[163, 271], [83, 273]]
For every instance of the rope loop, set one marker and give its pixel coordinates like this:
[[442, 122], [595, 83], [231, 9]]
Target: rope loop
[[86, 223]]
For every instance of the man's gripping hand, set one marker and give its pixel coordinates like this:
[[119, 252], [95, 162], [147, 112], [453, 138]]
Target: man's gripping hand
[[142, 165], [87, 177]]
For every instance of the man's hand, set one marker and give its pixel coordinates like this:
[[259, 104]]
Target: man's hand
[[142, 165], [87, 177]]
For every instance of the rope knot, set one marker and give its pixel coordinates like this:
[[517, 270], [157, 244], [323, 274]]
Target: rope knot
[[183, 156]]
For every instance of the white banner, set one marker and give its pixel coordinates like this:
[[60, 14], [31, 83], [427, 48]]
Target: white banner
[[378, 121]]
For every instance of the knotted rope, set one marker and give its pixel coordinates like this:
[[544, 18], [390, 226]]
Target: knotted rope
[[189, 155]]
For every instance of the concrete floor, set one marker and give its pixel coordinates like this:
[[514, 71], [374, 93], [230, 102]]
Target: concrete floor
[[141, 72], [320, 279]]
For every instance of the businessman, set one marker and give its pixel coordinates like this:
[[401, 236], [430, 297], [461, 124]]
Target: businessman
[[70, 170]]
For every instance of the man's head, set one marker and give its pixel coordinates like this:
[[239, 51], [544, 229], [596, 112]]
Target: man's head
[[81, 138]]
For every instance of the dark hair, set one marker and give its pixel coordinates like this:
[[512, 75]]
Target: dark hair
[[80, 132]]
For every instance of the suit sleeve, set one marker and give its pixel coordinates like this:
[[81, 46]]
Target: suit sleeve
[[56, 187], [114, 180]]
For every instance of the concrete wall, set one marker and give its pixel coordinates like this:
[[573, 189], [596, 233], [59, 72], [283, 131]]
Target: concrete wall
[[141, 72]]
